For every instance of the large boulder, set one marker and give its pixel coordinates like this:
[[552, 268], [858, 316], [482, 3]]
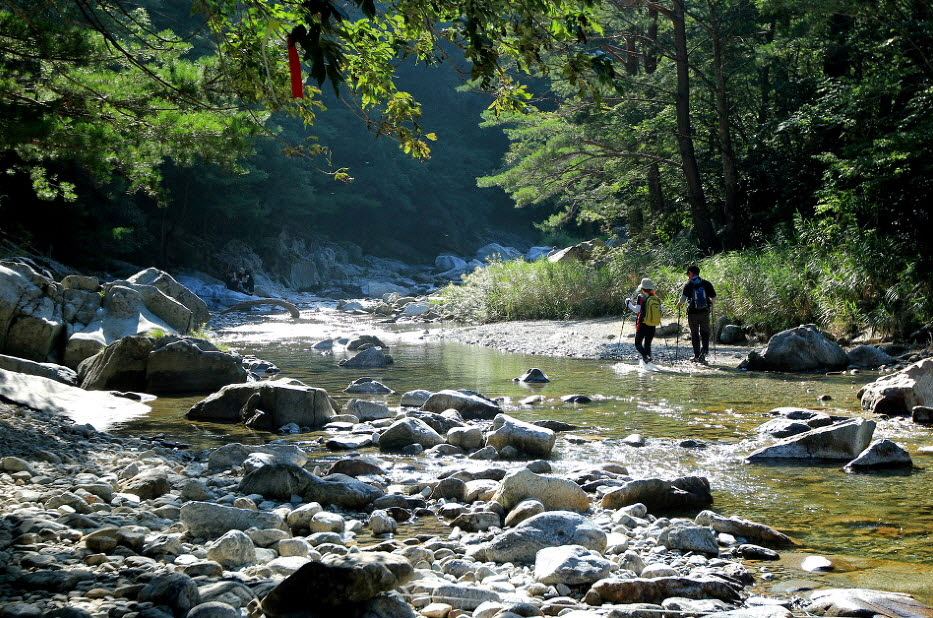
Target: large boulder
[[529, 439], [282, 481], [557, 494], [552, 529], [209, 520], [570, 565], [495, 251], [173, 289], [661, 495], [120, 366], [881, 454], [185, 366], [286, 401], [469, 404], [744, 528], [175, 314], [860, 602], [899, 392], [59, 373], [336, 582], [843, 440], [805, 348], [869, 357], [371, 358], [123, 313], [657, 589], [38, 393], [235, 454], [407, 431], [31, 318], [582, 252]]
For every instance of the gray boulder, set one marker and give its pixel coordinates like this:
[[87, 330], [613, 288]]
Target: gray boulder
[[415, 398], [732, 335], [860, 602], [783, 427], [209, 520], [537, 253], [286, 401], [661, 495], [233, 549], [687, 536], [59, 373], [529, 439], [41, 393], [235, 454], [880, 454], [407, 431], [533, 376], [470, 405], [371, 358], [185, 366], [899, 392], [173, 289], [31, 318], [446, 262], [366, 410], [843, 440], [656, 590], [805, 348], [557, 494], [282, 481], [174, 590], [552, 529], [495, 251], [744, 528], [869, 357], [570, 565], [367, 386], [337, 581]]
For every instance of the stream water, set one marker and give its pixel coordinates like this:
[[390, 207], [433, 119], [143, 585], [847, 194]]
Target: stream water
[[878, 527]]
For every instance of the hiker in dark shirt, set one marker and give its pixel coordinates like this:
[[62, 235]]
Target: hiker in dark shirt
[[698, 295], [247, 284]]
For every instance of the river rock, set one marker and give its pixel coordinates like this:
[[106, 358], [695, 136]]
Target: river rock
[[469, 404], [191, 366], [805, 348], [59, 373], [496, 252], [287, 401], [366, 410], [282, 481], [213, 609], [477, 521], [407, 431], [523, 510], [581, 252], [858, 602], [533, 376], [467, 438], [922, 415], [815, 564], [367, 386], [529, 439], [357, 466], [235, 454], [783, 427], [371, 358], [232, 550], [209, 520], [147, 484], [869, 357], [80, 405], [749, 551], [459, 596], [661, 495], [656, 590], [31, 319], [174, 590], [552, 529], [168, 285], [899, 392], [364, 342], [744, 528], [570, 565], [843, 440], [880, 454], [415, 398], [687, 536], [557, 494], [730, 334], [337, 581]]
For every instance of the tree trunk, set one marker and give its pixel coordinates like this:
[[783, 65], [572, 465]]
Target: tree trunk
[[730, 174], [695, 195], [654, 188], [651, 52]]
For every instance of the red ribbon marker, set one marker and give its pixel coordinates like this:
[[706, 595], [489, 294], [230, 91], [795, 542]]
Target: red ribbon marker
[[294, 67]]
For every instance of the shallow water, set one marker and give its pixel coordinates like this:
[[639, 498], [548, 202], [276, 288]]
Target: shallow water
[[873, 517]]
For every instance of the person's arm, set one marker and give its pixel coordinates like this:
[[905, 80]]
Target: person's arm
[[635, 308], [683, 297]]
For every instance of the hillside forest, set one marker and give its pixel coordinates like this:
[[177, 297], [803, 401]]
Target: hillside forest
[[783, 141]]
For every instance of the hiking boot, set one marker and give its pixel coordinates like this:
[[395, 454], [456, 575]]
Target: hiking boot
[[702, 357], [648, 358]]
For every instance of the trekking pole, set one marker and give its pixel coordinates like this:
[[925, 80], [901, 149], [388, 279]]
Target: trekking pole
[[715, 329], [677, 345]]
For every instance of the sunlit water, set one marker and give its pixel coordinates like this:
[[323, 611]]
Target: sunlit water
[[875, 517]]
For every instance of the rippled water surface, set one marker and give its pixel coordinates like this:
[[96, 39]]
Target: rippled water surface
[[875, 518]]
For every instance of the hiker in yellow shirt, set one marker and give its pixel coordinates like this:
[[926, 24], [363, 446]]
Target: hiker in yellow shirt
[[647, 307]]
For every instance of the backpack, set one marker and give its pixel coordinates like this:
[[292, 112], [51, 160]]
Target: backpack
[[699, 300], [652, 311]]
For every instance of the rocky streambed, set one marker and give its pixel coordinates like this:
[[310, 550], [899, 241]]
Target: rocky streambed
[[98, 525]]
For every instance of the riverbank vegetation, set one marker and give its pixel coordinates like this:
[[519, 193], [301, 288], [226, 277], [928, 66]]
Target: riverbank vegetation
[[849, 285]]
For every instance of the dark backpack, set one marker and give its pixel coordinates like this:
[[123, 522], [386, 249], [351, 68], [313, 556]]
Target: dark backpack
[[699, 300]]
